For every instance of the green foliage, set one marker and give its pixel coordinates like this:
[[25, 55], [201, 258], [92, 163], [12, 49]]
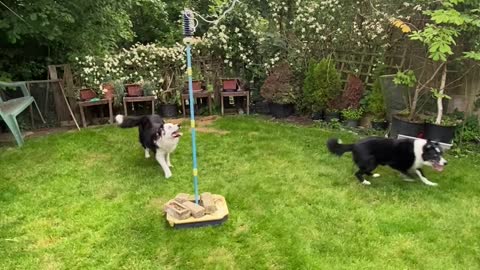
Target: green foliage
[[449, 22], [352, 114], [54, 32], [375, 101], [447, 120], [170, 96], [406, 78], [437, 95], [321, 85], [472, 55], [439, 41], [471, 130]]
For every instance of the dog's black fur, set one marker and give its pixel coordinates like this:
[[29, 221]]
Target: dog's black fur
[[149, 129], [399, 154]]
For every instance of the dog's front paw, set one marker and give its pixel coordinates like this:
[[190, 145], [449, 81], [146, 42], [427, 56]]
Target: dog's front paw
[[432, 184], [168, 175]]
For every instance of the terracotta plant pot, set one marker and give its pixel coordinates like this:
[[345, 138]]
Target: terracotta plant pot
[[230, 85], [87, 94], [134, 90], [196, 86], [108, 91]]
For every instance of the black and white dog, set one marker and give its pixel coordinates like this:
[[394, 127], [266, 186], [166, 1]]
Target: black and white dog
[[155, 135], [404, 155]]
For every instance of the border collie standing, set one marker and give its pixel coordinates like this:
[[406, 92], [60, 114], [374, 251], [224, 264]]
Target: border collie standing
[[155, 135], [404, 155]]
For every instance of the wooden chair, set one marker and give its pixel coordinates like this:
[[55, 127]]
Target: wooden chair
[[10, 109]]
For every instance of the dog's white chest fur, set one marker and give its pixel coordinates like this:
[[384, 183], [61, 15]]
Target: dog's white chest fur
[[167, 144], [418, 151]]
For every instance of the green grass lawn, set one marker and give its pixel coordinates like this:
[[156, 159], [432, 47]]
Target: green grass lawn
[[89, 200]]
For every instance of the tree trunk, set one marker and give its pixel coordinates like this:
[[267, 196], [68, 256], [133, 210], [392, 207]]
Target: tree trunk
[[441, 92], [413, 108]]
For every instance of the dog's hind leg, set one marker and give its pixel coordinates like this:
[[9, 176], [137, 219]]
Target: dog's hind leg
[[147, 153], [407, 176], [424, 179], [160, 156]]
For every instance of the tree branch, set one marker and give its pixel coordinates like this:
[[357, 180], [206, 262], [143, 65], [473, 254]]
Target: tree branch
[[424, 85]]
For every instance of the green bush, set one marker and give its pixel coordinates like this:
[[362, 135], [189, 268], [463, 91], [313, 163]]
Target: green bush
[[471, 130], [321, 85], [375, 103], [352, 114]]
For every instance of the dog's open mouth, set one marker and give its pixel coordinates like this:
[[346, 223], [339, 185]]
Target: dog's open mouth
[[177, 134], [437, 166]]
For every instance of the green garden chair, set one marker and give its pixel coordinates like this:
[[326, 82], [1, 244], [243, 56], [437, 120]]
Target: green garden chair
[[10, 109]]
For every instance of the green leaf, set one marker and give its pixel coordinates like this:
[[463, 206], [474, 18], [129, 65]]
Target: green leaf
[[472, 55]]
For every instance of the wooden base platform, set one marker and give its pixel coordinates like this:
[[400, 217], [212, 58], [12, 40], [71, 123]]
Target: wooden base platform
[[213, 219]]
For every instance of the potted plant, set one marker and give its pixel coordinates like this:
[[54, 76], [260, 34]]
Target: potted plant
[[87, 93], [406, 122], [134, 89], [375, 106], [168, 102], [451, 23], [352, 116], [322, 83], [197, 81], [445, 132], [331, 114], [230, 85], [279, 92], [91, 76]]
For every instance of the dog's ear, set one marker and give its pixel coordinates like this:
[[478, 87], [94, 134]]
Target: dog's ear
[[160, 131], [429, 144]]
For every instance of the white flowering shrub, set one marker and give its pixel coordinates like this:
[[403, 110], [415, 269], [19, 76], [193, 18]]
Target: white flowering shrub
[[138, 64], [259, 34]]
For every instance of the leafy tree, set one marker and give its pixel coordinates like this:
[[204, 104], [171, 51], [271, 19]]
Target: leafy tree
[[450, 22]]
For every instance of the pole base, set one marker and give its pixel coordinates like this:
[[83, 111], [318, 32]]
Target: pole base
[[218, 217]]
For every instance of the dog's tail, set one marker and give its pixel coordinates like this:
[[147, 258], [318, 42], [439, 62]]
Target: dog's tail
[[336, 147], [130, 121]]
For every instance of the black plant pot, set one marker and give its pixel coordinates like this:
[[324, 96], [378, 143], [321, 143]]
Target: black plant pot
[[412, 129], [351, 123], [380, 125], [329, 116], [317, 115], [440, 133], [261, 107], [169, 110], [281, 110]]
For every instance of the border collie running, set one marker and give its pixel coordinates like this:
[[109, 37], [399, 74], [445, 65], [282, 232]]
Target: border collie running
[[155, 135], [404, 155]]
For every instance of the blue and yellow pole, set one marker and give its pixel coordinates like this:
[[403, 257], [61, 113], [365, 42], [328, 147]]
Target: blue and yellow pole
[[192, 120]]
